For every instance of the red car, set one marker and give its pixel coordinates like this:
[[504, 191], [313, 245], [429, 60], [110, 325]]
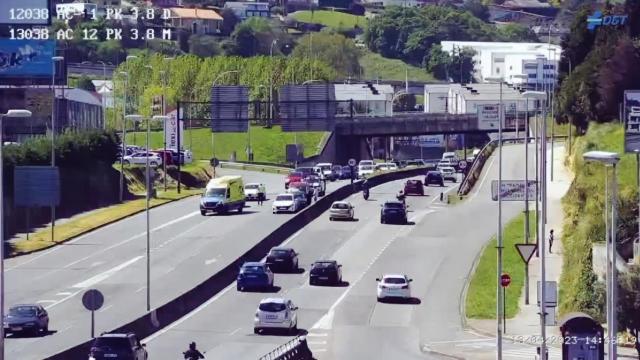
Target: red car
[[165, 155], [414, 187], [291, 178]]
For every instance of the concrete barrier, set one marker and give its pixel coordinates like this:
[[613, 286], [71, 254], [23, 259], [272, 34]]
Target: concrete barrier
[[166, 314], [476, 168]]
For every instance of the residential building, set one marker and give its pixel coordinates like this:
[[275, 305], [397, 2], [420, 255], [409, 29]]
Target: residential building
[[368, 99], [105, 89], [540, 7], [164, 3], [435, 97], [502, 14], [512, 61], [104, 3], [197, 21], [246, 9]]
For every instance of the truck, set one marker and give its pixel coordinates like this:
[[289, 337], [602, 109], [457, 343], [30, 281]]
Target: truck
[[222, 195]]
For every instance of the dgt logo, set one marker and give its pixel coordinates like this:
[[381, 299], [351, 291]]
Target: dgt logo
[[597, 19]]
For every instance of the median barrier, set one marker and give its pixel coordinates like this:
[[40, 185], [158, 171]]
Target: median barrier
[[476, 168], [256, 167], [168, 313]]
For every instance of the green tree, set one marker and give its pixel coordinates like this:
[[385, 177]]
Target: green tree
[[84, 82], [110, 51], [438, 63], [462, 65], [204, 45], [477, 9], [516, 33], [578, 42], [629, 303], [229, 22], [253, 37], [331, 48]]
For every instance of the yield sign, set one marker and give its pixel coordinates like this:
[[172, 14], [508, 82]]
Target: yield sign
[[526, 251]]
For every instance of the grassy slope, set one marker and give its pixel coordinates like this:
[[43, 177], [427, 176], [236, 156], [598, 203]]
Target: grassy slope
[[268, 144], [377, 67], [334, 19], [481, 296]]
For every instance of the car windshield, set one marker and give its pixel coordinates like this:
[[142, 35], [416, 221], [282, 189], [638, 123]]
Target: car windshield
[[112, 342], [251, 187], [252, 269], [324, 264], [279, 252], [366, 167], [215, 192], [284, 198], [272, 307], [23, 311], [340, 206], [295, 174], [304, 170], [394, 280], [393, 205]]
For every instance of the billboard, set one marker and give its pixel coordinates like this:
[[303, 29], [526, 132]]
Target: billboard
[[431, 141], [20, 59], [488, 116], [229, 108], [631, 115], [513, 190], [310, 107], [36, 186], [25, 12], [171, 131]]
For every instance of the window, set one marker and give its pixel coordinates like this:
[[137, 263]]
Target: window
[[532, 76], [393, 280], [272, 307], [497, 70]]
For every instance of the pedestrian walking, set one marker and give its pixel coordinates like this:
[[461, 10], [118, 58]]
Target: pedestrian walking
[[550, 240], [260, 199], [315, 194]]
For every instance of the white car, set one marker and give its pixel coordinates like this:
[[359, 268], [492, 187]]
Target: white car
[[140, 158], [285, 203], [325, 171], [448, 173], [394, 286], [451, 156], [445, 163], [255, 191], [276, 313], [391, 166], [366, 162], [341, 210], [365, 171]]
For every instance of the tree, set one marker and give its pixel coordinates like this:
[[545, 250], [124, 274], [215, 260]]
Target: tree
[[85, 83], [110, 51], [253, 37], [404, 102], [438, 63], [516, 32], [477, 9], [331, 48], [204, 45], [578, 42], [229, 22], [629, 303], [462, 65]]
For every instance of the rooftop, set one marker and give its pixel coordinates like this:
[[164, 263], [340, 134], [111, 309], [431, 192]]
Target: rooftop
[[193, 13]]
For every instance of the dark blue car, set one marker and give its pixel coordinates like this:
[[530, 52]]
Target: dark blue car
[[254, 275], [393, 212]]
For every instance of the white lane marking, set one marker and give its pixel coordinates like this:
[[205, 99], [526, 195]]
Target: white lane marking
[[313, 334], [45, 301], [64, 299], [316, 342], [235, 331], [97, 263], [189, 315], [105, 308], [319, 350], [141, 288], [134, 237], [210, 261], [64, 293], [105, 275]]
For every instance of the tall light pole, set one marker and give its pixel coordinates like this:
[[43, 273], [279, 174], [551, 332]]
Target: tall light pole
[[551, 95], [124, 127], [499, 293], [55, 60], [164, 124], [610, 159], [12, 114], [542, 96], [104, 86]]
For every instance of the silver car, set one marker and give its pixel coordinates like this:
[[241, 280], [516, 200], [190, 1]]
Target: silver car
[[341, 210]]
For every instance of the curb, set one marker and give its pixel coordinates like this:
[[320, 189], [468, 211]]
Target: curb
[[426, 350], [465, 288], [23, 253]]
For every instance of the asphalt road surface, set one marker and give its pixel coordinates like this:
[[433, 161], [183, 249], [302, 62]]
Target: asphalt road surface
[[186, 248], [436, 250]]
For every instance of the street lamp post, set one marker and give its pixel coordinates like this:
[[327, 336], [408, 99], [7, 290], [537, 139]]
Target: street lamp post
[[164, 124], [551, 95], [124, 127], [538, 95], [104, 85], [55, 60], [499, 294], [12, 114], [610, 159]]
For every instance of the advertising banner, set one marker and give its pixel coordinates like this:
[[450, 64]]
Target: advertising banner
[[513, 190], [21, 59], [631, 121], [171, 132], [431, 141], [488, 117]]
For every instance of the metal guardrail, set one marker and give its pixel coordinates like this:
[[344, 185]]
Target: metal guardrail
[[294, 349]]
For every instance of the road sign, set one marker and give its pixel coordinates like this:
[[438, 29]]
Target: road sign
[[505, 280], [462, 164], [550, 293], [352, 162], [92, 300], [526, 251], [513, 190], [36, 186]]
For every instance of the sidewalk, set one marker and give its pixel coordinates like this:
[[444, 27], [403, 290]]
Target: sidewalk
[[527, 323]]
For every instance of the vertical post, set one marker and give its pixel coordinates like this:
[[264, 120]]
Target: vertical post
[[499, 304], [543, 220], [553, 120], [504, 309], [526, 199], [124, 135], [53, 142], [537, 161], [637, 241], [179, 117], [164, 131], [614, 270], [93, 324], [1, 241], [608, 244], [147, 214]]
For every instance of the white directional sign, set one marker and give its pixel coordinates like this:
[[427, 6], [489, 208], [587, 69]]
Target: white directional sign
[[489, 116], [513, 190], [352, 162]]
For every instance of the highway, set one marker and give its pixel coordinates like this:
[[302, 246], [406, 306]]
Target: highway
[[347, 322], [186, 249]]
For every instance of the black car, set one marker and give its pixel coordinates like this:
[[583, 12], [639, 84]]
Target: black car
[[118, 346], [305, 171], [346, 172], [282, 259], [434, 177], [325, 271], [26, 318], [393, 212]]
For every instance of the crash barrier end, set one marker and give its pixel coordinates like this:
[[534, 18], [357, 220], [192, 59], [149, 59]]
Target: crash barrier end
[[295, 349], [168, 313]]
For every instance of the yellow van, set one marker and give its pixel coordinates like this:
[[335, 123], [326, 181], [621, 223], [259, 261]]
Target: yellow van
[[223, 194]]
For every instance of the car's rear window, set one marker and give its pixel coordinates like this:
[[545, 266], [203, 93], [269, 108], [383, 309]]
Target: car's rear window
[[23, 311], [393, 205], [113, 342], [340, 206], [366, 167], [252, 269], [284, 198], [272, 307], [394, 280], [323, 264], [279, 252]]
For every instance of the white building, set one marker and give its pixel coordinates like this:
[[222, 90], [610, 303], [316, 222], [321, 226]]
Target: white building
[[526, 64], [368, 99], [435, 97]]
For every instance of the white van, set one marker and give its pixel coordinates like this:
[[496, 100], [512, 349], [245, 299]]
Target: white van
[[325, 171], [450, 156]]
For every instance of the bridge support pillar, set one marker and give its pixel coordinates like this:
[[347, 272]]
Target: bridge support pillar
[[349, 146]]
